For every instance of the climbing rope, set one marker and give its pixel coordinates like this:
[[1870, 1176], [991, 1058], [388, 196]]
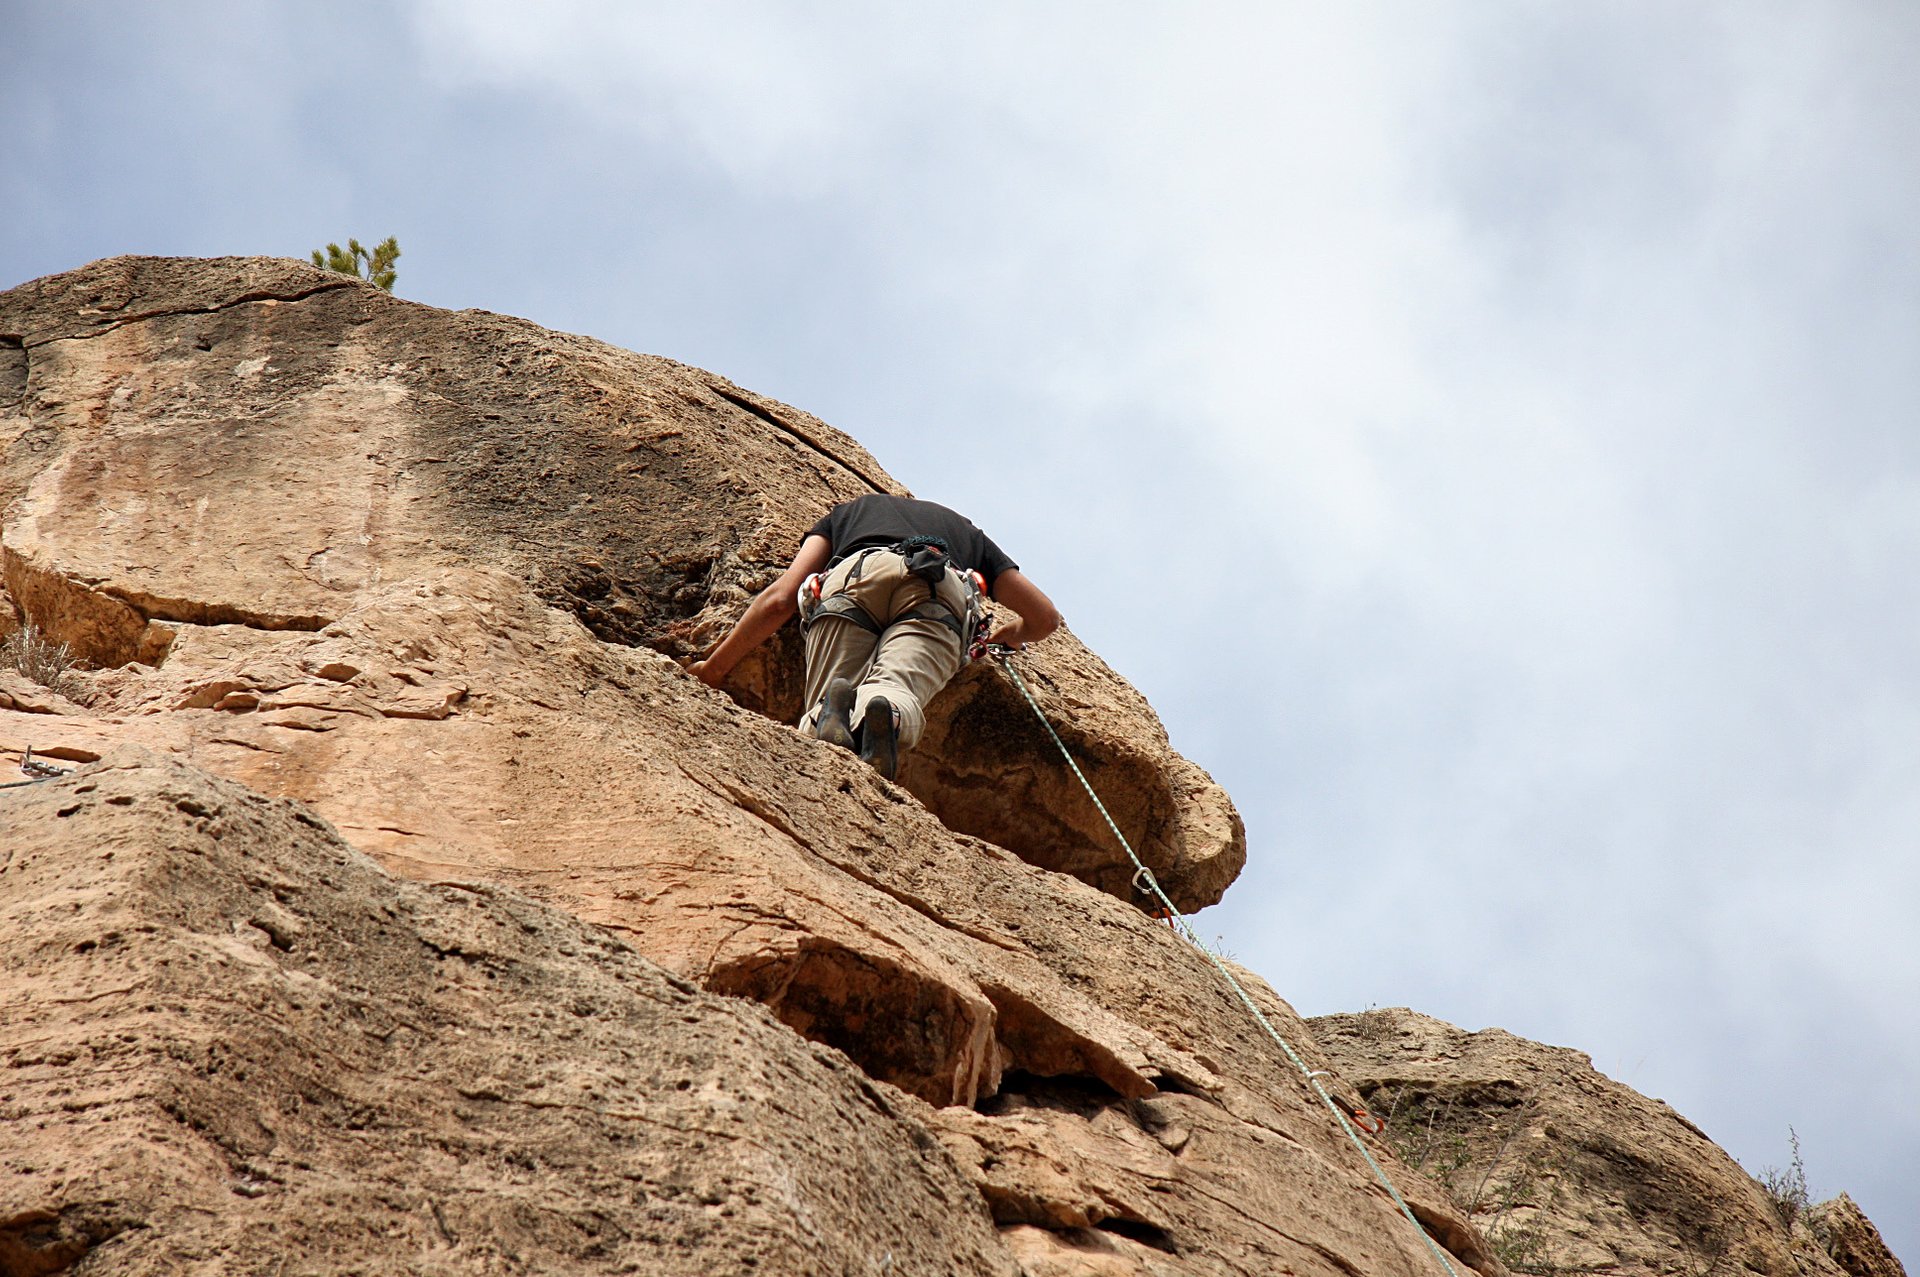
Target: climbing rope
[[1145, 882]]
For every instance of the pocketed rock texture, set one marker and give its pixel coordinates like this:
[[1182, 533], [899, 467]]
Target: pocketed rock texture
[[1126, 1109], [386, 769], [230, 1042], [1853, 1241], [1566, 1170]]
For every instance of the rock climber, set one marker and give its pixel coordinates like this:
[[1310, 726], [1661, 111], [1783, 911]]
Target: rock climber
[[889, 591]]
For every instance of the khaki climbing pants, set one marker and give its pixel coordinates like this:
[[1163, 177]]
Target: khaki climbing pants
[[913, 659]]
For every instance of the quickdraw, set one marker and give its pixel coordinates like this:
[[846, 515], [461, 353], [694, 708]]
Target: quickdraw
[[1361, 1118], [31, 766], [1143, 885]]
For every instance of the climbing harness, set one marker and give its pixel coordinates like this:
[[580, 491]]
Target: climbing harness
[[924, 558], [1144, 880], [35, 771]]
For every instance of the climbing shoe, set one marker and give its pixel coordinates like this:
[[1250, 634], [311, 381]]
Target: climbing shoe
[[835, 724], [879, 737]]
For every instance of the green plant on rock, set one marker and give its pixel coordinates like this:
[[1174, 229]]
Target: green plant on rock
[[1713, 1256], [1511, 1201], [375, 267], [1522, 1247], [1521, 1244], [1787, 1189], [1426, 1139]]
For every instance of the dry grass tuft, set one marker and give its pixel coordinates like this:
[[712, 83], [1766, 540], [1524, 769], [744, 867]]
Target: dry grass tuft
[[36, 656]]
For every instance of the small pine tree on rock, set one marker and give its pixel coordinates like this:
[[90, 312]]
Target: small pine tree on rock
[[375, 267]]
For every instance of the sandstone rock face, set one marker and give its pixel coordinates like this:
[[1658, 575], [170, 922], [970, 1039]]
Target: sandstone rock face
[[1126, 1107], [426, 574], [230, 1043], [255, 442], [1566, 1170]]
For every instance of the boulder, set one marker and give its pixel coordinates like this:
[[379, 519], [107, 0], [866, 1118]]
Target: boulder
[[1564, 1169], [1853, 1241]]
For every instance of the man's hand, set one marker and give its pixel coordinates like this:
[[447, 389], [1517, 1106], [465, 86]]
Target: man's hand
[[769, 610], [1036, 616]]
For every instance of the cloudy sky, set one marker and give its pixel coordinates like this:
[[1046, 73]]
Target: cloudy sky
[[1489, 433]]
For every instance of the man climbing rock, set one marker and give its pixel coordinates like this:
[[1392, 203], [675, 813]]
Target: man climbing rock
[[888, 590]]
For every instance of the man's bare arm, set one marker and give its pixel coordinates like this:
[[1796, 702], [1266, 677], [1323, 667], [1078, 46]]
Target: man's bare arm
[[1036, 616], [770, 610]]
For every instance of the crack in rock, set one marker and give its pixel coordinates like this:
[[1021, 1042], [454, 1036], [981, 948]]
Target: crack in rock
[[740, 400], [107, 626], [140, 317]]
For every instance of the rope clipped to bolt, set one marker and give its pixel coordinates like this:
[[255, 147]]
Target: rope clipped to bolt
[[35, 771], [1145, 882]]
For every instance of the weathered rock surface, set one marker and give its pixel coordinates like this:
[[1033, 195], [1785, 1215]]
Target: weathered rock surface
[[252, 441], [1853, 1241], [1566, 1170], [735, 852], [23, 695], [230, 1043]]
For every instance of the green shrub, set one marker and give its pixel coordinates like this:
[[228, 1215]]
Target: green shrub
[[375, 267]]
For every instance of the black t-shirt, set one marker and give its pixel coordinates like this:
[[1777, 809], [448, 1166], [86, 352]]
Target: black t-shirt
[[879, 519]]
